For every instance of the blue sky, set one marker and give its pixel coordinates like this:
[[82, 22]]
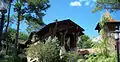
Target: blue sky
[[78, 11]]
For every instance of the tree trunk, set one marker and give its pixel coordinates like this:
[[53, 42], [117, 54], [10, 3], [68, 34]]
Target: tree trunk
[[6, 30], [17, 33], [1, 27]]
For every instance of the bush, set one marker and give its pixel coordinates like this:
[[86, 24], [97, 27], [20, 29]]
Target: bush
[[45, 52]]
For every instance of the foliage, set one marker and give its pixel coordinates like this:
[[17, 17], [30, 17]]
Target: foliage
[[104, 53], [31, 11], [107, 4], [11, 39], [11, 35], [101, 58], [11, 21], [104, 44], [45, 52], [71, 57], [102, 22], [10, 58], [84, 42], [23, 36], [35, 11]]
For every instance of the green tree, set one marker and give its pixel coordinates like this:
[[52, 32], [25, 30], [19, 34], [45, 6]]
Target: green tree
[[3, 11], [36, 10], [25, 10], [8, 22], [107, 4], [11, 34], [17, 9], [11, 37], [23, 36], [84, 42]]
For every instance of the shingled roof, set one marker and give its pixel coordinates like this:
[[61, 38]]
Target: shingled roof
[[61, 26]]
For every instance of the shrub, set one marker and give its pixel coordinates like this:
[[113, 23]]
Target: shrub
[[48, 52], [71, 56]]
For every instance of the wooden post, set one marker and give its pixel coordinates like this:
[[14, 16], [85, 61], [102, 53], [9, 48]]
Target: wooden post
[[54, 30], [65, 44], [61, 39], [74, 42], [74, 39], [77, 37], [65, 34], [68, 43], [50, 32]]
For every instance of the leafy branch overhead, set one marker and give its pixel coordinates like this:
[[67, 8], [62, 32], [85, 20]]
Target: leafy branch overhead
[[35, 10], [112, 5]]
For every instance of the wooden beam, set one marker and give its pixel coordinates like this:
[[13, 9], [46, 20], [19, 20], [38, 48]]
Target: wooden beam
[[55, 29], [74, 42], [61, 39], [64, 36]]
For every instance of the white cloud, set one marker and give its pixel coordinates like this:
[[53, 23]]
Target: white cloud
[[75, 3], [83, 2], [87, 3]]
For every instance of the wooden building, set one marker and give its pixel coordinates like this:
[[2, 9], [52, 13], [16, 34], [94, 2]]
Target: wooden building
[[64, 30], [109, 28]]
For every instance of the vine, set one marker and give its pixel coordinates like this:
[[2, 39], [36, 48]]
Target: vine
[[104, 42]]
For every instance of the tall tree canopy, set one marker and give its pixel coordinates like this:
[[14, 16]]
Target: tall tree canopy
[[34, 11], [111, 5]]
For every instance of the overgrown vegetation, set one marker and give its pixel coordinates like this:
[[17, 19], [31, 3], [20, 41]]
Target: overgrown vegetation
[[104, 54], [84, 42], [45, 52]]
